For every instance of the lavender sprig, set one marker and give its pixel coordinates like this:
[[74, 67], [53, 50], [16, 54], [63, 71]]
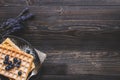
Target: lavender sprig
[[15, 24]]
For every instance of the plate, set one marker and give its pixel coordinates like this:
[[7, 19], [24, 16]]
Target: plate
[[26, 47]]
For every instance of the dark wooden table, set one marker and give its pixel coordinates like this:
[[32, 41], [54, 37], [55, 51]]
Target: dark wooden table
[[80, 37]]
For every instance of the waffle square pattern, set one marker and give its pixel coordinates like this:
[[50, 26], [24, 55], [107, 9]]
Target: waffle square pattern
[[19, 72]]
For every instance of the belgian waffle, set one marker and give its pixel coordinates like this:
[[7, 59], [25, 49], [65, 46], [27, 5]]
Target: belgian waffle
[[26, 62], [9, 43]]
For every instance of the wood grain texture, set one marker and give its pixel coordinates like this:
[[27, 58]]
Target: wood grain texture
[[78, 77], [80, 37], [62, 2]]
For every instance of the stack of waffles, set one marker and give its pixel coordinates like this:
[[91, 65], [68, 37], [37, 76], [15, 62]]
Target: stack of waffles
[[14, 63]]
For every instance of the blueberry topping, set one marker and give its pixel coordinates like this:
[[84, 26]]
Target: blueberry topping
[[15, 60], [5, 62], [7, 68], [20, 73], [11, 66], [28, 51], [7, 58]]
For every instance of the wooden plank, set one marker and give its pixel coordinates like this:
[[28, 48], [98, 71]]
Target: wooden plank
[[81, 62], [65, 13], [60, 18], [77, 77], [20, 2], [80, 2], [97, 41], [61, 2]]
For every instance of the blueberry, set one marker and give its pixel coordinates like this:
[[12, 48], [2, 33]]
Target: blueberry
[[7, 68], [20, 73], [11, 66], [5, 62], [28, 51], [15, 60], [7, 58]]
